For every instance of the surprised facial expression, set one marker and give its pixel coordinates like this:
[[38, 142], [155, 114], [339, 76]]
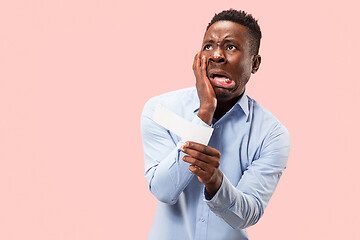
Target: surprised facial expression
[[229, 61]]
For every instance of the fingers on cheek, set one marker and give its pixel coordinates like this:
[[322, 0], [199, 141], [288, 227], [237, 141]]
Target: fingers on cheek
[[197, 65], [203, 63]]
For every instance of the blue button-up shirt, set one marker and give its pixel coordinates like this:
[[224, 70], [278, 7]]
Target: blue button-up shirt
[[254, 149]]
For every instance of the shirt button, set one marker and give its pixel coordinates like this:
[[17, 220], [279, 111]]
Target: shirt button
[[202, 219]]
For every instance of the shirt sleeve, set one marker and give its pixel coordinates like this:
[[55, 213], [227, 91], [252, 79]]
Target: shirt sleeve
[[242, 206], [165, 171]]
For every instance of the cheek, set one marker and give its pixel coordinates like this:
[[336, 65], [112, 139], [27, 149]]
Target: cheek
[[244, 66], [206, 54], [242, 69], [238, 65]]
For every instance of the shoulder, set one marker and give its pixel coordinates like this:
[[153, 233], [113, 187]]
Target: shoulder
[[173, 97], [176, 101], [266, 123]]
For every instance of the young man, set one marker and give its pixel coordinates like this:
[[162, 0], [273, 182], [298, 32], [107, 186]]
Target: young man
[[215, 191]]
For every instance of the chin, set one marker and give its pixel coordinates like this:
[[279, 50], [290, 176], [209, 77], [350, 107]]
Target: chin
[[225, 95]]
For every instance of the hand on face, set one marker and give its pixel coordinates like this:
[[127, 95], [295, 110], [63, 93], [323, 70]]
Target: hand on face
[[205, 162], [205, 90]]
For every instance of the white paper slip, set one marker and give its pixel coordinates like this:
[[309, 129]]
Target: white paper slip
[[185, 129]]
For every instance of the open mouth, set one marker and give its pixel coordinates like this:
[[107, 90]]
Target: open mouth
[[221, 79]]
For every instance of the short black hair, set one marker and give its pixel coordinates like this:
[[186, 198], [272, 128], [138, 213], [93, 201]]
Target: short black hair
[[245, 19]]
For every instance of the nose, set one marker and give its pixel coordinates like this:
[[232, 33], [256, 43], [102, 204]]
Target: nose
[[217, 56]]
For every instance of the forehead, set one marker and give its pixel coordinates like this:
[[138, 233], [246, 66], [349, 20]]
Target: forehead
[[226, 29]]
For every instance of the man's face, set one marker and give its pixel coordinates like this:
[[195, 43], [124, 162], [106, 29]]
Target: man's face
[[229, 61]]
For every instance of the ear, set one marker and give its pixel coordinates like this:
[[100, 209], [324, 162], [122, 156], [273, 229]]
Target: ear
[[256, 63]]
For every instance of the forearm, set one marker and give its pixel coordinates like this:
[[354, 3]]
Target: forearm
[[169, 177], [237, 208], [206, 114]]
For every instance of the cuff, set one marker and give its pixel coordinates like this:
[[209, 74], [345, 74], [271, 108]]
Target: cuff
[[200, 122], [224, 198]]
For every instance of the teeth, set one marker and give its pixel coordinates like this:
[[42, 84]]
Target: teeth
[[224, 80]]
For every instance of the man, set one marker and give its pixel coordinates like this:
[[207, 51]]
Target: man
[[215, 191]]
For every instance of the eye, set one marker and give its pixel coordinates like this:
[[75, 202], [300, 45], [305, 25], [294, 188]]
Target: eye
[[230, 47], [207, 47]]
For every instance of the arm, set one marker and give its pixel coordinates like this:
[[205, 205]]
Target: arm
[[243, 205]]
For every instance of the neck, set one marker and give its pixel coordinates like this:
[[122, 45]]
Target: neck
[[224, 106]]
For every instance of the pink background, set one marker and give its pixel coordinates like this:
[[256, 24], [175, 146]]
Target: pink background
[[74, 76]]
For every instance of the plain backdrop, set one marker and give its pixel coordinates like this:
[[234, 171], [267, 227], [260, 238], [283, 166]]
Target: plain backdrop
[[75, 75]]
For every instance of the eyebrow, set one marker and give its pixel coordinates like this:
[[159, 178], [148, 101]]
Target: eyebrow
[[231, 40], [226, 40], [209, 41]]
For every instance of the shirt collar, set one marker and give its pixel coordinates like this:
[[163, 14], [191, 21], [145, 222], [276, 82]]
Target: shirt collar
[[243, 103]]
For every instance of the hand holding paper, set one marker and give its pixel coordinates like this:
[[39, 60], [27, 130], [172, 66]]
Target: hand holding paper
[[205, 162]]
